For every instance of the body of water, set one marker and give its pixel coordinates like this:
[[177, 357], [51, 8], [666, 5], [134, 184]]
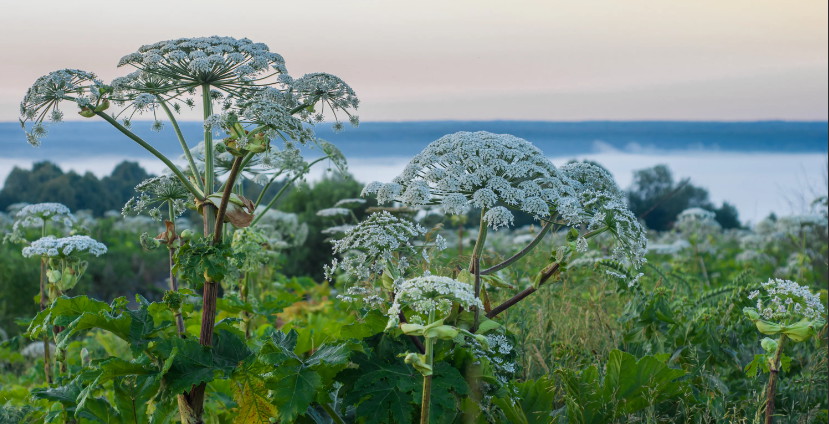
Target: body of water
[[760, 167]]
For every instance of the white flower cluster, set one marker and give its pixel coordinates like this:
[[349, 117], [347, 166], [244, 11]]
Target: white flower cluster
[[207, 60], [786, 301], [328, 212], [594, 201], [481, 169], [696, 222], [499, 172], [282, 229], [499, 352], [365, 295], [42, 98], [65, 246], [350, 203], [430, 295], [329, 90], [155, 193], [373, 243], [36, 215]]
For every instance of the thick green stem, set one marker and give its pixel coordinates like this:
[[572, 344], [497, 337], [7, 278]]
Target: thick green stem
[[173, 282], [177, 172], [426, 398], [475, 265], [193, 169], [332, 413], [47, 360], [207, 110], [774, 369]]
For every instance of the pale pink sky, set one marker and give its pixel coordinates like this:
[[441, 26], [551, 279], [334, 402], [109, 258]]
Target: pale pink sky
[[473, 59]]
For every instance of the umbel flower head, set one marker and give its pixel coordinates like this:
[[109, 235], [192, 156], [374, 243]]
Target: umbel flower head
[[155, 193], [216, 61], [66, 264], [786, 307], [380, 240], [53, 247], [496, 172], [595, 202], [42, 98], [696, 221], [430, 295], [39, 215]]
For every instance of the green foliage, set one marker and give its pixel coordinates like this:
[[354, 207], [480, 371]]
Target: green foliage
[[199, 259], [628, 385]]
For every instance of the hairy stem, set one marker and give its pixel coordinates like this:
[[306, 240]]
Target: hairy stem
[[475, 264], [774, 369]]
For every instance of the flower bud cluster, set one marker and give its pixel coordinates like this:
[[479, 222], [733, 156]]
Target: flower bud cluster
[[430, 295], [370, 246], [786, 301]]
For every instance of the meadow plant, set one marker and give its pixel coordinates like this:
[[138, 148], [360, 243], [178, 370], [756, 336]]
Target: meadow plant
[[789, 311], [245, 93], [497, 174]]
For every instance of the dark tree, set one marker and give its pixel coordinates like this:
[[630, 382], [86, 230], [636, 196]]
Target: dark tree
[[655, 198]]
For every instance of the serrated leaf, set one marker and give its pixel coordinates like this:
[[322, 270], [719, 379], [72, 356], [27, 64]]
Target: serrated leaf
[[192, 365], [448, 386], [383, 392], [251, 395], [293, 389]]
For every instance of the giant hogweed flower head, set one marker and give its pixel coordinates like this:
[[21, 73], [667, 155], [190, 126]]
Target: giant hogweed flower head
[[327, 90], [42, 98], [239, 67], [480, 169], [786, 307], [65, 259], [37, 216], [430, 295], [224, 62], [596, 203], [156, 192], [373, 244], [53, 247], [696, 221]]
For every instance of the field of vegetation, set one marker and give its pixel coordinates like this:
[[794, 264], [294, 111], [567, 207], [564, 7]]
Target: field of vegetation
[[482, 285]]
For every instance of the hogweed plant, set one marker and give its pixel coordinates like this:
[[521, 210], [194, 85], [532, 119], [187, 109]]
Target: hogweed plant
[[45, 217], [245, 94], [790, 312], [497, 174]]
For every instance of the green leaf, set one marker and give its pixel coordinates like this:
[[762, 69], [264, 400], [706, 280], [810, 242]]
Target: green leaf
[[383, 392], [448, 386], [191, 365], [132, 395], [251, 395], [293, 389], [533, 404]]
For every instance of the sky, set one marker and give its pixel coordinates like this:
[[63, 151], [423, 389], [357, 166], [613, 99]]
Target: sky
[[472, 59]]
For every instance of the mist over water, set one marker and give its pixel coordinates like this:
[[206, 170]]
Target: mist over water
[[760, 167]]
